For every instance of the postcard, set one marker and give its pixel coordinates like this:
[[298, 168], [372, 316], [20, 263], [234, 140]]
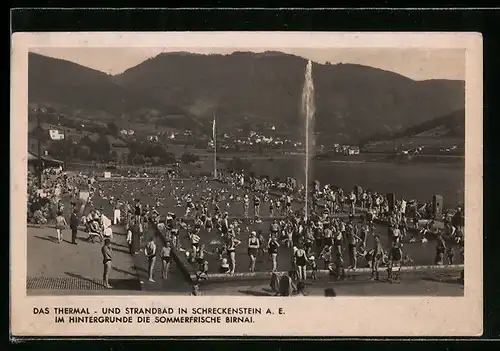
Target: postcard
[[246, 184]]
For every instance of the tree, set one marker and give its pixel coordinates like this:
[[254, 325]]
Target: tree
[[113, 156], [86, 141], [82, 153], [113, 128], [103, 144], [188, 158], [138, 160], [168, 158]]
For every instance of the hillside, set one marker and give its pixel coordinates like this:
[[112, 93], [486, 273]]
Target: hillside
[[352, 101], [437, 134], [60, 82]]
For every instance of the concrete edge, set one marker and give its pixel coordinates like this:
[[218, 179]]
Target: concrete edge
[[322, 273], [179, 260]]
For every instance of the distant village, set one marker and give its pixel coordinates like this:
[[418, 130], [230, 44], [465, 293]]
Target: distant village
[[83, 138], [85, 135]]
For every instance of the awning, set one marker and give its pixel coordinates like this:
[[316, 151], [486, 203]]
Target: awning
[[32, 158]]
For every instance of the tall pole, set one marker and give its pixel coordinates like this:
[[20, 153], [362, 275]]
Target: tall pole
[[39, 151], [214, 136]]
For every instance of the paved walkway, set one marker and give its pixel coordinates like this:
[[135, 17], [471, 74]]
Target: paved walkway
[[409, 286], [175, 282], [75, 267], [62, 269]]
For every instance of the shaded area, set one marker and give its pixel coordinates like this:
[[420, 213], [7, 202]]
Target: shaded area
[[176, 281], [48, 238], [409, 285], [254, 293], [77, 283], [52, 266]]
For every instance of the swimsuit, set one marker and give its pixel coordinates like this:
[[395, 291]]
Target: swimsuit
[[252, 251], [231, 248], [301, 260], [273, 248]]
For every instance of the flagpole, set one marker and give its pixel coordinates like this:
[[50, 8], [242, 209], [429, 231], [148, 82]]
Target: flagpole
[[214, 132]]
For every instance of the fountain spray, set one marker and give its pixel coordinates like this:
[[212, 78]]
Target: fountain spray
[[308, 110]]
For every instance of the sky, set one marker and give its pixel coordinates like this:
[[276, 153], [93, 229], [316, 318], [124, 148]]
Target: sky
[[417, 64]]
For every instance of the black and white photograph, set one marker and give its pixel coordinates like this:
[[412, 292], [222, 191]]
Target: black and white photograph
[[190, 184], [252, 172]]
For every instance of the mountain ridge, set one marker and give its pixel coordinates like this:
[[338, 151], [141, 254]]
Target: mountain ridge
[[352, 101]]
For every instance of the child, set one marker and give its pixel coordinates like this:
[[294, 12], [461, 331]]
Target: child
[[220, 251], [275, 283], [202, 273], [200, 255], [428, 228], [314, 267], [326, 255], [407, 261], [195, 290], [224, 267]]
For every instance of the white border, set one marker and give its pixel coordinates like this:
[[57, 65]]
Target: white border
[[311, 316]]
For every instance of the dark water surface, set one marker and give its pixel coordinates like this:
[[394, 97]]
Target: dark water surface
[[418, 181]]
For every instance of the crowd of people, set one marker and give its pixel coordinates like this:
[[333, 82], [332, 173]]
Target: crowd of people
[[338, 225], [45, 200], [216, 220]]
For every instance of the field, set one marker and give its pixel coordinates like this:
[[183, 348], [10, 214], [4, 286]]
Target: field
[[152, 190]]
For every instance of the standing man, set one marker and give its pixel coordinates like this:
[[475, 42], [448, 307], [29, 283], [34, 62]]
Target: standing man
[[74, 221], [377, 256], [138, 211], [150, 252], [106, 261], [352, 238]]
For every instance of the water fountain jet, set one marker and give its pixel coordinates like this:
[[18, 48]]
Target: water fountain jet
[[308, 109]]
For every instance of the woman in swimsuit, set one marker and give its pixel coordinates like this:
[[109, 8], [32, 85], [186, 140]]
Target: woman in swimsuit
[[231, 250], [253, 247], [301, 261], [166, 259], [60, 226], [272, 248]]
